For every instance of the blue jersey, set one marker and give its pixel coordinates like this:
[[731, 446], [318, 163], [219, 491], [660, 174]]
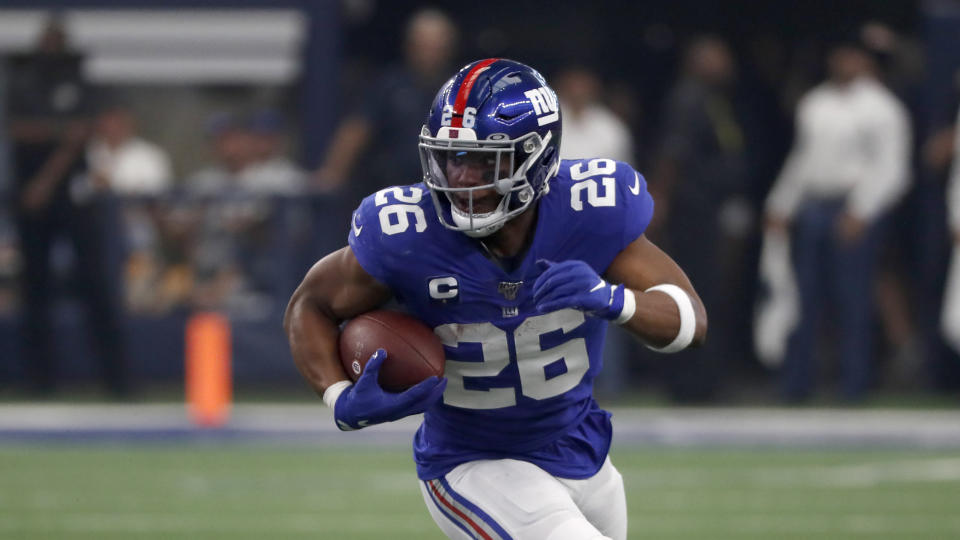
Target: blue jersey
[[520, 382]]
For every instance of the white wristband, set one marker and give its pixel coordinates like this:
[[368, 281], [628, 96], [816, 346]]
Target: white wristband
[[629, 306], [688, 319], [332, 393]]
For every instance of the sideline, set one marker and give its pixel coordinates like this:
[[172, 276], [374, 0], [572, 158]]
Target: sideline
[[283, 423]]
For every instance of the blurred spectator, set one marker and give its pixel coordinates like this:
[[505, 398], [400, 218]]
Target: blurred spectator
[[229, 214], [121, 161], [950, 319], [700, 177], [49, 125], [233, 151], [392, 111], [901, 66], [849, 164], [272, 171], [589, 128], [249, 155], [124, 164], [9, 254]]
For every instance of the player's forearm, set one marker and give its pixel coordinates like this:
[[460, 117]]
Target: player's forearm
[[657, 319], [313, 339]]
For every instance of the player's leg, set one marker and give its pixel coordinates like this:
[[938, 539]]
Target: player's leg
[[602, 500], [501, 499], [452, 525]]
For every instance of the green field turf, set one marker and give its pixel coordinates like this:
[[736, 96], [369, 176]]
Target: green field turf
[[215, 490]]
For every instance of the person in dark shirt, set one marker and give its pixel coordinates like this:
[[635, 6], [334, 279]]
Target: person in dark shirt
[[699, 182], [391, 109], [48, 124]]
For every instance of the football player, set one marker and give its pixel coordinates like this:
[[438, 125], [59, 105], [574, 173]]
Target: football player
[[518, 261]]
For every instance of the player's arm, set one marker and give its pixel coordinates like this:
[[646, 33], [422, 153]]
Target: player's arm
[[335, 289], [657, 315], [647, 292]]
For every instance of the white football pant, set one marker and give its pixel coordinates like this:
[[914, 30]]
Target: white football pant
[[507, 499]]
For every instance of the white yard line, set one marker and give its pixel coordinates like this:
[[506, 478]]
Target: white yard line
[[660, 426]]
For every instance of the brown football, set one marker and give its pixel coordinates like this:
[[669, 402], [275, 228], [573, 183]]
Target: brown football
[[413, 351]]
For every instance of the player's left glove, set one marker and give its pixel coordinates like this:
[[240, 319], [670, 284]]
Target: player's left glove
[[366, 403], [574, 284]]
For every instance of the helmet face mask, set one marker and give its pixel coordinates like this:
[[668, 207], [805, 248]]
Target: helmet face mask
[[480, 184], [490, 144]]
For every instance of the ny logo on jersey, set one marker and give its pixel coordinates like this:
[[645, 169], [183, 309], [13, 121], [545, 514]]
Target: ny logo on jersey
[[509, 289], [444, 289], [544, 103]]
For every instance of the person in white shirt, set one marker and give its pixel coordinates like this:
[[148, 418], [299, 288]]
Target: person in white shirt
[[848, 165], [589, 127], [123, 162]]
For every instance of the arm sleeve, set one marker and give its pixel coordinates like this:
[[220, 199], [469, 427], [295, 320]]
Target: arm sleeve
[[365, 239], [887, 176], [638, 204]]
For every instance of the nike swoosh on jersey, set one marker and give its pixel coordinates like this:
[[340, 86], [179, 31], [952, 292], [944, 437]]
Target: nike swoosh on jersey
[[635, 188], [599, 286], [356, 230]]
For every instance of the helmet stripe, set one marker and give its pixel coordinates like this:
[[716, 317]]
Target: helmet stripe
[[464, 92]]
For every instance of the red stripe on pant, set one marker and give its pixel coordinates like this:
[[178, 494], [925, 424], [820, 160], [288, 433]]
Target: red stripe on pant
[[457, 511]]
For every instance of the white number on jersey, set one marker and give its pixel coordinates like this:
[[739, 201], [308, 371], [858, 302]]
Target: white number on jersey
[[394, 218], [586, 183], [570, 359]]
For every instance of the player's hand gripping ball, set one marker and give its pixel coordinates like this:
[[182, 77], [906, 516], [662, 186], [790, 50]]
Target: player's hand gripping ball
[[574, 284], [414, 352]]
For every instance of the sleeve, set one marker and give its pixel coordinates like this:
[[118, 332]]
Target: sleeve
[[637, 202], [366, 240], [784, 197], [887, 175]]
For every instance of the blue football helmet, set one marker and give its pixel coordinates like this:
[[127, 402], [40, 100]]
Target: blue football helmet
[[490, 145]]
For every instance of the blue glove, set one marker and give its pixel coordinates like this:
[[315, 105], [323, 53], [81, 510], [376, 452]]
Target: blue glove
[[573, 284], [366, 403]]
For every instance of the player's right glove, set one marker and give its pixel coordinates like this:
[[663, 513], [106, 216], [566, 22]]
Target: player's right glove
[[366, 403], [574, 284]]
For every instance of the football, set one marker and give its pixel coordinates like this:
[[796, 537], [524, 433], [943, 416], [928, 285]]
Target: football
[[414, 352]]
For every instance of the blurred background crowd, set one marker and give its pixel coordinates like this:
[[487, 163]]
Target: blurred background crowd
[[161, 161]]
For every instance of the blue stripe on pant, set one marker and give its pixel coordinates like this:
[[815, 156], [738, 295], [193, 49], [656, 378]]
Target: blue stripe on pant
[[446, 513]]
